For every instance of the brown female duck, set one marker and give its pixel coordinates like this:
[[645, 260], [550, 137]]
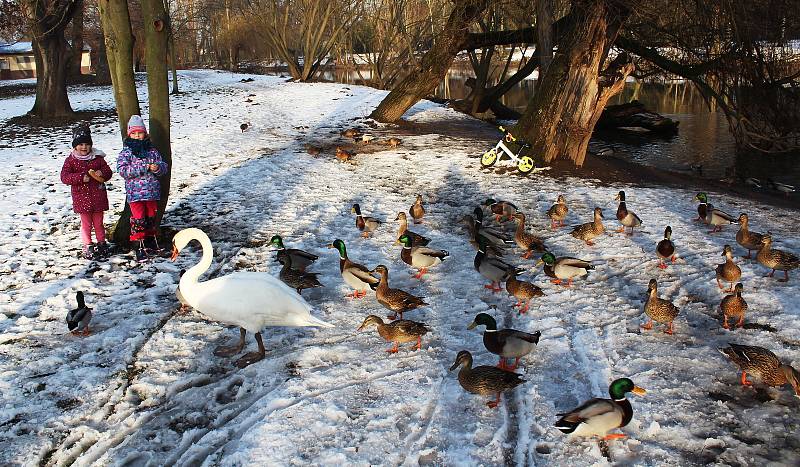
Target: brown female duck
[[298, 280], [399, 301], [776, 259], [734, 306], [590, 230], [484, 380], [658, 309], [399, 332], [527, 241], [502, 210], [749, 240], [521, 290], [728, 271], [416, 210], [558, 212], [763, 364]]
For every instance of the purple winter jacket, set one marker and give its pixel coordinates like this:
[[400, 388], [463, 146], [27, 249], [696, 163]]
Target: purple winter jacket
[[88, 196], [140, 183]]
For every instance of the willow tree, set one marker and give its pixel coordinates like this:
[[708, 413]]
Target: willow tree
[[434, 64], [573, 91], [47, 20]]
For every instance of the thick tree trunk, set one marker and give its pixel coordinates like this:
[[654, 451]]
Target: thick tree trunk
[[561, 115], [156, 30], [102, 74], [51, 77], [119, 51], [74, 69], [434, 64], [544, 33]]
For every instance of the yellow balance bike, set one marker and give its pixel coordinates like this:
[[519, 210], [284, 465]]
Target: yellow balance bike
[[524, 163]]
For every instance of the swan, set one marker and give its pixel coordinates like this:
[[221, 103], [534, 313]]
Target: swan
[[250, 300]]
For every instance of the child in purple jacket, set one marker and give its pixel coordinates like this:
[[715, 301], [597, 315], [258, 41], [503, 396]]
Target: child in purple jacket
[[85, 170], [140, 164]]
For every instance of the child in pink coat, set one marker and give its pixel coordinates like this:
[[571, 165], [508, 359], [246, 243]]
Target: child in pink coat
[[86, 172]]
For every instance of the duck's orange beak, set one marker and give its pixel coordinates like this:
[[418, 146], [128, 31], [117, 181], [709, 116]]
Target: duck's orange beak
[[638, 391]]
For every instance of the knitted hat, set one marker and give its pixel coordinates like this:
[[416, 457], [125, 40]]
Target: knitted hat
[[136, 124], [80, 135]]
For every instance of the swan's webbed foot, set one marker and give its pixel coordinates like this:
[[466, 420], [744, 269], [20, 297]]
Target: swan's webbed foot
[[252, 357], [230, 350]]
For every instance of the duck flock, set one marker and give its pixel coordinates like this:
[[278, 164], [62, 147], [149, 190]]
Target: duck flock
[[254, 300]]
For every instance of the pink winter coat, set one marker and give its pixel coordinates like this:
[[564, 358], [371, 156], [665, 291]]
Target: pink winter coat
[[86, 196]]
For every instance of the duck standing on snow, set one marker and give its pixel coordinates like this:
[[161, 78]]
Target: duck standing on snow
[[396, 300], [734, 306], [399, 332], [728, 271], [702, 207], [343, 155], [747, 239], [763, 364], [521, 290], [365, 224], [558, 212], [713, 216], [596, 417], [665, 249], [484, 380], [300, 259], [417, 211], [416, 238], [507, 343], [355, 275], [590, 230], [658, 309], [776, 259], [624, 216], [298, 280], [79, 318], [501, 209], [420, 257], [496, 241], [564, 268], [250, 300], [487, 231], [493, 269], [527, 241]]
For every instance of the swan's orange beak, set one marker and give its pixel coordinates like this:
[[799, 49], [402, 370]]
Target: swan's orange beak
[[174, 252]]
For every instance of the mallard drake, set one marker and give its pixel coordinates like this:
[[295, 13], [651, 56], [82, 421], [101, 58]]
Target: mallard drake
[[420, 257], [300, 259], [477, 213], [416, 210], [702, 207], [399, 332], [665, 249], [734, 306], [495, 239], [416, 238], [590, 230], [624, 216], [658, 309], [712, 215], [763, 364], [747, 239], [728, 271], [507, 343], [493, 269], [781, 187], [558, 212], [564, 268], [501, 209], [521, 290], [355, 275], [596, 417], [399, 301], [776, 259], [365, 224], [250, 300], [79, 318], [298, 280], [484, 380], [527, 241]]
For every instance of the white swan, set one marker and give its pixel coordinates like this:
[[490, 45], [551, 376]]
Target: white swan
[[250, 300]]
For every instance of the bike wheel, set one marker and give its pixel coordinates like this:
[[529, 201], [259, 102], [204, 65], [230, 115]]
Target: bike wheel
[[525, 164], [489, 158]]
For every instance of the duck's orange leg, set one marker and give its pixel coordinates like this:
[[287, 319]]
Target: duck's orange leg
[[419, 342], [555, 281], [725, 322], [621, 229], [744, 379], [493, 404], [527, 255], [669, 329], [661, 264], [648, 325], [740, 323], [614, 436], [393, 349], [420, 273]]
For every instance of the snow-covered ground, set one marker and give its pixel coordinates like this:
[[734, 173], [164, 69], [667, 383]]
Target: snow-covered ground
[[145, 388]]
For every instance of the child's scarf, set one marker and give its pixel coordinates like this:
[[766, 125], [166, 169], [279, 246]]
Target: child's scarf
[[77, 155], [138, 147]]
